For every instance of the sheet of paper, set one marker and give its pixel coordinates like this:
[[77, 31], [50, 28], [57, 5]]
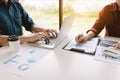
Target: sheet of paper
[[89, 46], [106, 43], [23, 61], [105, 58]]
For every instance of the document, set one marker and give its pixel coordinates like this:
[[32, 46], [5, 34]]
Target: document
[[87, 47], [106, 43], [23, 61], [101, 56]]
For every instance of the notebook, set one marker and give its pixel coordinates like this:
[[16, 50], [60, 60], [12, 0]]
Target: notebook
[[65, 28], [88, 47]]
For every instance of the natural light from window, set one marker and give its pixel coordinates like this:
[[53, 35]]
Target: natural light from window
[[46, 12], [87, 10]]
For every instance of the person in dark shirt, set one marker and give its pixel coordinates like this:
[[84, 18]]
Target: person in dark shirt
[[13, 17], [109, 18]]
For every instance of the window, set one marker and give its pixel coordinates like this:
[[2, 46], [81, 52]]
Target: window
[[87, 10], [44, 12]]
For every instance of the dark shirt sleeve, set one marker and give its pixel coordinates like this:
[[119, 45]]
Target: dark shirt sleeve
[[100, 22], [0, 31], [27, 22]]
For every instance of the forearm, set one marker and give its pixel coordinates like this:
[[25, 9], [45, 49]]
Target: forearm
[[37, 29], [23, 39], [90, 35], [30, 38], [3, 40]]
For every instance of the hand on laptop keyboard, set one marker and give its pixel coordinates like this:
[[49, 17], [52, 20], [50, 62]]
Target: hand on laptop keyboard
[[43, 37], [52, 33], [46, 41]]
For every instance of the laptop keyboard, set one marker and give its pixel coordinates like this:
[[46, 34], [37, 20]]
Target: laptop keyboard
[[52, 41]]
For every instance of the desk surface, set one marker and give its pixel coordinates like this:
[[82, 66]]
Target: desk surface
[[67, 65]]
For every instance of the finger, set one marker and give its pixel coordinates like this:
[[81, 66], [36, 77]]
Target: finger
[[118, 44], [77, 38], [118, 47], [47, 35], [46, 39], [80, 38], [115, 46], [53, 33], [56, 33]]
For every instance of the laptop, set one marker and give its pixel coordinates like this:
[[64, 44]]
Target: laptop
[[65, 28]]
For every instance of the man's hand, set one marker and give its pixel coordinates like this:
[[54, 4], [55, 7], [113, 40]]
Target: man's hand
[[38, 36], [51, 33]]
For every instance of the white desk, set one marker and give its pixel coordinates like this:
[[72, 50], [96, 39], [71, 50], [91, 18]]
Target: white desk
[[67, 65]]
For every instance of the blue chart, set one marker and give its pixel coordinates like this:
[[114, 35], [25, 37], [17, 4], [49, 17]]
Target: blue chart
[[106, 58], [109, 57], [24, 60]]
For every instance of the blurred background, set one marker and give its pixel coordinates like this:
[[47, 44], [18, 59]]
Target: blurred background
[[46, 13]]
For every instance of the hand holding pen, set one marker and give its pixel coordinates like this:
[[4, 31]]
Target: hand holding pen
[[80, 38]]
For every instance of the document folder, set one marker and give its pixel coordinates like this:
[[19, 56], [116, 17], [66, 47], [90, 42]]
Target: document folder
[[87, 47]]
